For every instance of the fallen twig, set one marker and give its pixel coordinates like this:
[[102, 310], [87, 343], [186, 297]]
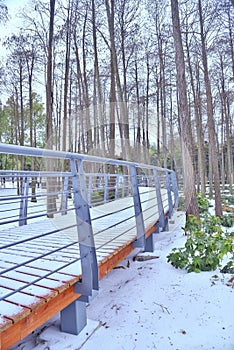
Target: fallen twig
[[163, 307], [119, 267], [144, 257]]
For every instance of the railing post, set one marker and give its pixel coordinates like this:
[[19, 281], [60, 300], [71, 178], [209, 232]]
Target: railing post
[[123, 186], [90, 192], [140, 227], [159, 200], [74, 317], [24, 202], [129, 185], [168, 184], [175, 189], [117, 187], [105, 188], [64, 196], [85, 232]]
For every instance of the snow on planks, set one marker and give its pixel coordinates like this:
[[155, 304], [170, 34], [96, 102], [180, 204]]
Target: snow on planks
[[30, 307]]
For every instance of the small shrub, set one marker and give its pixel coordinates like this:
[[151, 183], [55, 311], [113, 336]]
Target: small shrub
[[228, 200], [203, 203], [229, 267], [205, 247], [181, 204], [97, 196], [227, 220]]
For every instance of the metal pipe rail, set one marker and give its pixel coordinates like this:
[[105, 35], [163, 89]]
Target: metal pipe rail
[[66, 224]]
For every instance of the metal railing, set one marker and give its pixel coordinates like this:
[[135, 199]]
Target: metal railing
[[83, 205]]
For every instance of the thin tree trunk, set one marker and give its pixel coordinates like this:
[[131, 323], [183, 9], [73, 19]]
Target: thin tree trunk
[[211, 125], [184, 120], [97, 83], [226, 112], [122, 103], [200, 137], [51, 202], [138, 126], [89, 133], [66, 77]]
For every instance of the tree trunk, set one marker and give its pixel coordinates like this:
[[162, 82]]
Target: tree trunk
[[184, 120], [97, 83], [51, 201], [137, 147], [66, 77], [114, 63], [211, 125], [227, 121], [89, 133], [49, 87]]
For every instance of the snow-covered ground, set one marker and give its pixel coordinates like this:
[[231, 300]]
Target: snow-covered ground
[[151, 305]]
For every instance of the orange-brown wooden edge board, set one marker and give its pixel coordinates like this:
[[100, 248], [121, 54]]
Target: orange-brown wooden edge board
[[39, 315], [5, 323], [120, 254]]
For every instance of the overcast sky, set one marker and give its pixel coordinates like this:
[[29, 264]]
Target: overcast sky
[[13, 9]]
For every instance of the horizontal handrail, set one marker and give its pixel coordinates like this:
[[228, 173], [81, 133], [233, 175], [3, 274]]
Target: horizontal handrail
[[73, 217], [47, 153]]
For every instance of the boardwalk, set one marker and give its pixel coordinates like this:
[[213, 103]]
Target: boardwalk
[[52, 265]]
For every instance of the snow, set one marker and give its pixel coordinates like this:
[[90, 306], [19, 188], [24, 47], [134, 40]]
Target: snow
[[151, 305]]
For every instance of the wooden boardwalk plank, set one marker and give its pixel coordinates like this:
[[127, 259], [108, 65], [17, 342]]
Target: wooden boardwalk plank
[[35, 304]]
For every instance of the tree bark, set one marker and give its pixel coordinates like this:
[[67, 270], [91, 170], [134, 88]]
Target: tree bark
[[66, 76], [227, 120], [184, 120], [49, 80], [213, 152], [51, 201], [97, 83], [199, 131]]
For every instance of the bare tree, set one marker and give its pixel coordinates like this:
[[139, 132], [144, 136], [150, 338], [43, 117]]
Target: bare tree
[[51, 201], [49, 80], [66, 73], [184, 120], [213, 152], [195, 86]]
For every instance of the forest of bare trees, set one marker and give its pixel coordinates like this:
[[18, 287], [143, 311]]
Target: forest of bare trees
[[151, 81]]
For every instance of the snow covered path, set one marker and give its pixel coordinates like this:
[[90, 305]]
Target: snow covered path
[[151, 305]]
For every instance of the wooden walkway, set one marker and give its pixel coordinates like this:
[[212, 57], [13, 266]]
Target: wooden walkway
[[39, 275], [53, 265]]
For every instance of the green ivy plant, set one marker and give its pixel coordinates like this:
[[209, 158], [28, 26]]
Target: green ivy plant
[[227, 220], [203, 203], [205, 247], [228, 200]]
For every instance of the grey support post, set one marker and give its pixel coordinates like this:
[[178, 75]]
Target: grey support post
[[175, 189], [149, 244], [90, 189], [123, 186], [161, 221], [140, 227], [117, 187], [105, 188], [73, 317], [168, 183], [85, 232], [64, 196], [24, 202]]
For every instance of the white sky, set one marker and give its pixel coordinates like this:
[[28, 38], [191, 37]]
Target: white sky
[[13, 8]]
